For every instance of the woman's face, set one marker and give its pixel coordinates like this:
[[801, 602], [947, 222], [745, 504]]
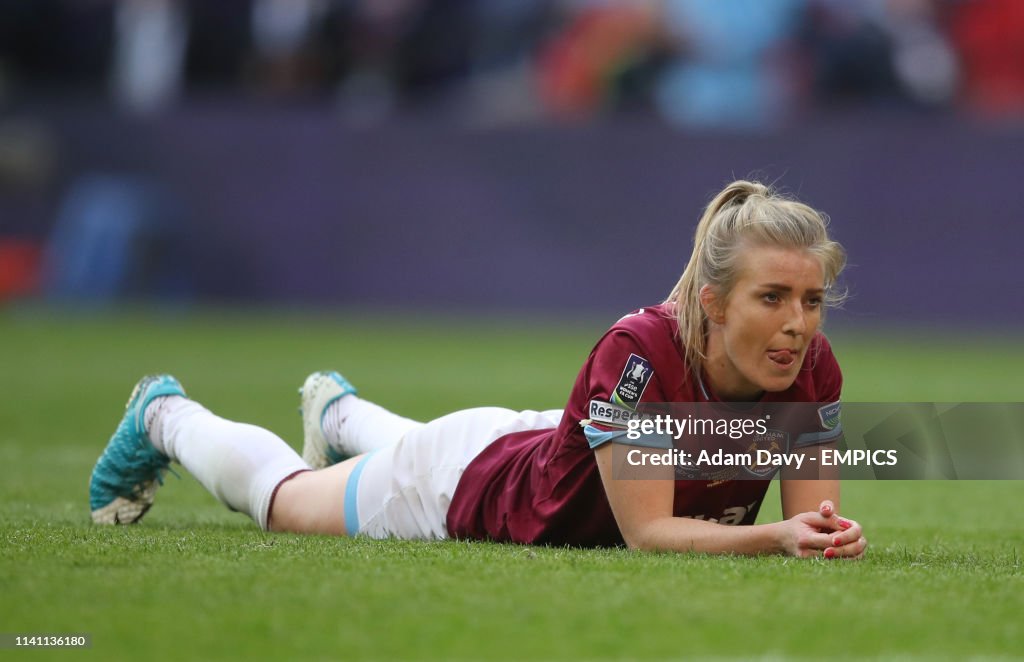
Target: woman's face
[[759, 334]]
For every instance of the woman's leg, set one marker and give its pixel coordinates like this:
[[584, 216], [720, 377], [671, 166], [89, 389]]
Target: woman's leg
[[242, 465], [406, 486], [314, 501], [402, 490], [337, 424], [238, 463]]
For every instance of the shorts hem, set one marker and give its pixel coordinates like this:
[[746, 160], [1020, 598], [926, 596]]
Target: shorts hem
[[351, 496]]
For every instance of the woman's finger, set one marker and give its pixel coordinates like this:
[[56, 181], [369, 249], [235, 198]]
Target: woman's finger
[[853, 550], [823, 524], [846, 534], [814, 542]]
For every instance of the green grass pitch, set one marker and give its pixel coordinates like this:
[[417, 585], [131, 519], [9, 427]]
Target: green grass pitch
[[943, 578]]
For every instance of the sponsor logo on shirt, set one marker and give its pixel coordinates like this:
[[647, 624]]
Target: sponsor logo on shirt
[[636, 375], [731, 516], [829, 415], [611, 414]]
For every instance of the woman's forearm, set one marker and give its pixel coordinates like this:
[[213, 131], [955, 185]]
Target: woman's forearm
[[681, 534]]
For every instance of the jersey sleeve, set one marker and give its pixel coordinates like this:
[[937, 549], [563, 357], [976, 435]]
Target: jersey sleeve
[[825, 427], [621, 377]]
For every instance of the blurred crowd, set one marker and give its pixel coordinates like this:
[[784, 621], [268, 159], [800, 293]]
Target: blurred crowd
[[692, 63]]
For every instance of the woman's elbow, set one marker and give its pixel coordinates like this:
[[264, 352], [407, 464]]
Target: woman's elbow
[[641, 538], [634, 544]]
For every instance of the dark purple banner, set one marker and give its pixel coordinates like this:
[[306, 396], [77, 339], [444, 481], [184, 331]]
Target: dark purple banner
[[288, 206]]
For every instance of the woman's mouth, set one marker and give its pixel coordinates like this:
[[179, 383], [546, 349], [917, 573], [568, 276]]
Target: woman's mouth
[[784, 358]]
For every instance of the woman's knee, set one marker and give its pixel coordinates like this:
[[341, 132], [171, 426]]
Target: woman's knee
[[313, 501]]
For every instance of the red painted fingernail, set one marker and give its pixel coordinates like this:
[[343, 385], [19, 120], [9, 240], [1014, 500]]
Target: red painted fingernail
[[844, 523], [837, 542], [830, 552]]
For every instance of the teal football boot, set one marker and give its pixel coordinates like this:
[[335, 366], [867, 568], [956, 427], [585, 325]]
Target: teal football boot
[[128, 473]]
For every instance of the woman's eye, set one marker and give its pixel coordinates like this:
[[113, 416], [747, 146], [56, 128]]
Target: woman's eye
[[771, 297], [814, 302]]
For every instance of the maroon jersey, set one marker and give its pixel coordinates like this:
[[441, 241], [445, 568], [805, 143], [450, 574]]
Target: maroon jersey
[[543, 486]]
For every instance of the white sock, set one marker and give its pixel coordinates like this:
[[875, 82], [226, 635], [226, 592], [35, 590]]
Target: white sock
[[355, 426], [238, 463]]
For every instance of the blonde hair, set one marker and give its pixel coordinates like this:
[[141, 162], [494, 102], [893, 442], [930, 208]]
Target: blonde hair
[[746, 213]]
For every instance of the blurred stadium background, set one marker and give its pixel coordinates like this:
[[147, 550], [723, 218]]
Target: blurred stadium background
[[542, 156]]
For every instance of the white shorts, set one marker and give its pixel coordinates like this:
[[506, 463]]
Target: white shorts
[[404, 491]]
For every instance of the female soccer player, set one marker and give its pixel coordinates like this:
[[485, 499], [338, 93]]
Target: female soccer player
[[741, 325]]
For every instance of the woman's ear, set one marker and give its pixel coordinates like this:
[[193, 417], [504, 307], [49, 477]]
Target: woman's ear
[[712, 304]]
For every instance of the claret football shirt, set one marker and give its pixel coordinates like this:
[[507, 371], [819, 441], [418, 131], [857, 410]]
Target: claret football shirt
[[543, 486]]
